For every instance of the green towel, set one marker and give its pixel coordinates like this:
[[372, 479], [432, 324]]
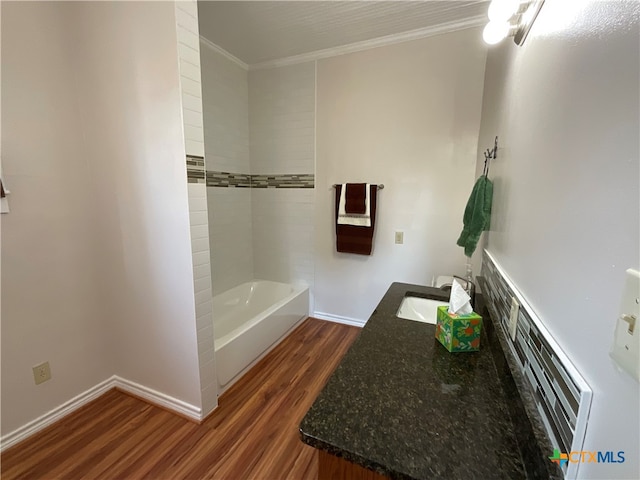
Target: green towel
[[477, 215]]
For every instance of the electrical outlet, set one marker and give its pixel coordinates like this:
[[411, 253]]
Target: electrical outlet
[[41, 373], [513, 318], [399, 238]]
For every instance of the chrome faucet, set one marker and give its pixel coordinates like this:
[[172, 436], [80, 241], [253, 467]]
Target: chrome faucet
[[468, 286]]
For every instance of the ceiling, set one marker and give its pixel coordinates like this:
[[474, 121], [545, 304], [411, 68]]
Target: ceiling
[[262, 31]]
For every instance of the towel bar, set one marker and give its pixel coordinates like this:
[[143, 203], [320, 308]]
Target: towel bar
[[380, 186]]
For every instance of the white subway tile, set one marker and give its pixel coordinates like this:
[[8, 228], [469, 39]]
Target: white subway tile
[[202, 271], [208, 371], [199, 231], [202, 284], [186, 20], [193, 133], [200, 258], [204, 357], [192, 118], [194, 147], [203, 309], [209, 394], [203, 321], [198, 218], [190, 86], [190, 71], [191, 102], [205, 333], [198, 204], [199, 245], [205, 295], [188, 6], [196, 190], [188, 38], [188, 54]]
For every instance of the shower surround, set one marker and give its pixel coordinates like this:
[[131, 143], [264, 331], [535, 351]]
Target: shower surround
[[260, 140], [259, 135]]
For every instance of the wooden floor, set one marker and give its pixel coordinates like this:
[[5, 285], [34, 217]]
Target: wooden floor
[[252, 435]]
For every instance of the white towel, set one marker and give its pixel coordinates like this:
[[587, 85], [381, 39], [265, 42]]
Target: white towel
[[345, 218]]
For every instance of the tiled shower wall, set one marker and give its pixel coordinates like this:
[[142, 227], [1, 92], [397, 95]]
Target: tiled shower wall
[[260, 135], [226, 118], [282, 138], [190, 84], [282, 119]]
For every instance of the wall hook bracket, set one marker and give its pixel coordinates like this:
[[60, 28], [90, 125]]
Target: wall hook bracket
[[490, 154]]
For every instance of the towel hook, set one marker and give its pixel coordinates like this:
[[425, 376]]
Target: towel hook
[[490, 154]]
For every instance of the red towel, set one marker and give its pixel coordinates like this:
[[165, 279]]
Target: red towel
[[352, 239], [355, 201]]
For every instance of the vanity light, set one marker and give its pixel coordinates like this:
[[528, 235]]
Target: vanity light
[[510, 18], [503, 10], [495, 32]]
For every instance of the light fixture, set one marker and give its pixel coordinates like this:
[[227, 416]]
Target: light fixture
[[495, 32], [510, 18], [503, 10]]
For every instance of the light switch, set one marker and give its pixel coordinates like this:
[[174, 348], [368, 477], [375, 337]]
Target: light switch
[[399, 237], [626, 341]]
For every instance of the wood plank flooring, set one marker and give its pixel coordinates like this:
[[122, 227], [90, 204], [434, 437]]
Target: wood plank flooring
[[252, 435]]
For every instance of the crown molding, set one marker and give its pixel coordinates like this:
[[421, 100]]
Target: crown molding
[[472, 22], [208, 43]]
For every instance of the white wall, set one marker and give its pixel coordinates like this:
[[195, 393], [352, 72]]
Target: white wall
[[282, 139], [130, 107], [406, 116], [50, 302], [97, 273], [225, 95], [565, 220]]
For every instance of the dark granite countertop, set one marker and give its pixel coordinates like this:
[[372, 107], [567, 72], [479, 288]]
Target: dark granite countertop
[[400, 404]]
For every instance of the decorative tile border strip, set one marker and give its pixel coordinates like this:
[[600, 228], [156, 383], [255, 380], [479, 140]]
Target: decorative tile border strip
[[283, 181], [197, 173], [562, 396], [225, 179], [195, 169]]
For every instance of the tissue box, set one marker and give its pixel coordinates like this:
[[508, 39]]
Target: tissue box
[[458, 333]]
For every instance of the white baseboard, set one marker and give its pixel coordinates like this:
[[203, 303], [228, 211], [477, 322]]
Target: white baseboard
[[337, 319], [152, 396], [158, 398], [54, 415]]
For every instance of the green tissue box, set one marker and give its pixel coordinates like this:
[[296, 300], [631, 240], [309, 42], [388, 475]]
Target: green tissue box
[[458, 333]]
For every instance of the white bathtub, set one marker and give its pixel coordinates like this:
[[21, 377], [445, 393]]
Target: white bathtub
[[249, 320]]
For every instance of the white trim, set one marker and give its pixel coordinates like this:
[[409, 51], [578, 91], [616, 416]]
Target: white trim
[[571, 369], [61, 411], [419, 33], [158, 398], [54, 415], [337, 319], [218, 49], [586, 394]]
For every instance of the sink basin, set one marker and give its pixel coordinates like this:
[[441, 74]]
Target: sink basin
[[419, 309]]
